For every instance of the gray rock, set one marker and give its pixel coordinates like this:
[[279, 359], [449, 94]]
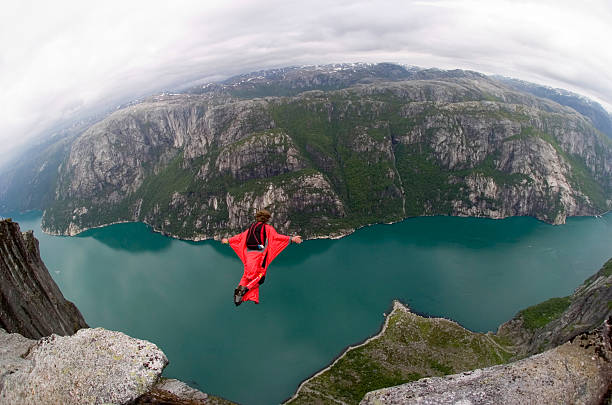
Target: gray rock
[[13, 349], [578, 372], [30, 302], [181, 390], [93, 366], [174, 392]]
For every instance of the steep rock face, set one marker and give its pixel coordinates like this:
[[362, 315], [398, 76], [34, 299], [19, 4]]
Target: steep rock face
[[30, 302], [558, 320], [577, 372], [458, 145], [267, 154]]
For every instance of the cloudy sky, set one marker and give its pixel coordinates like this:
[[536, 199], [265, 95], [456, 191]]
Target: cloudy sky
[[60, 58]]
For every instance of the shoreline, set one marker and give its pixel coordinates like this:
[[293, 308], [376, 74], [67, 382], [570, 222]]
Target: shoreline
[[333, 236], [396, 305]]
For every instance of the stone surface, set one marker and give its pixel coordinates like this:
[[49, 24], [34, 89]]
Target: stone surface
[[13, 349], [92, 366], [577, 372], [30, 302], [175, 392]]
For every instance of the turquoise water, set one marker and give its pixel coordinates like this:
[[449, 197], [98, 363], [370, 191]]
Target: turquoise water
[[319, 296]]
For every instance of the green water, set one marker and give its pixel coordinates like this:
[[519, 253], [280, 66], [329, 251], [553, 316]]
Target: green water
[[318, 297]]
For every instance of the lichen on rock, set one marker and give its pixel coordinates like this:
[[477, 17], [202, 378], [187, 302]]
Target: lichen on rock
[[92, 366]]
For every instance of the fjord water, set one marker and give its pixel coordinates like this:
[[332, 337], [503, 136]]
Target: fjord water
[[318, 297]]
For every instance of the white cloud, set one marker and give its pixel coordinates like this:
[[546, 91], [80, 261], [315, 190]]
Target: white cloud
[[65, 56]]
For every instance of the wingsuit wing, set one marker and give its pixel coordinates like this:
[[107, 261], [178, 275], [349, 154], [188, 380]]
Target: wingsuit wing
[[276, 244], [238, 243]]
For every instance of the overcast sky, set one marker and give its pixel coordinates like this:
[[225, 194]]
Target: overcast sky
[[58, 58]]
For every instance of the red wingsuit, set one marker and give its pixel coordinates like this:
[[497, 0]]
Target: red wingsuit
[[253, 261]]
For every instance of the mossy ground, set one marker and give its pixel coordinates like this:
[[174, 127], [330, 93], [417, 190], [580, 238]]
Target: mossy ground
[[412, 347]]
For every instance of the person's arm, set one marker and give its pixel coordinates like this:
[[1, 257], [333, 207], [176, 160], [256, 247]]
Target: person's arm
[[296, 239], [233, 239]]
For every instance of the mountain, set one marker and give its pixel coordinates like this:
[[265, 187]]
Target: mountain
[[328, 149], [28, 179], [601, 119], [291, 81]]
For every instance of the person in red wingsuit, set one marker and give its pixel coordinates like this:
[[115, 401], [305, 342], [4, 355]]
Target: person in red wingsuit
[[256, 247]]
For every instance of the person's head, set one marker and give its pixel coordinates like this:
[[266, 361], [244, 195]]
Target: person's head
[[262, 216]]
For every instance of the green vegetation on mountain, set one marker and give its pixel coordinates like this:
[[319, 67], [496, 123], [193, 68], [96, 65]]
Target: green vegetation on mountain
[[409, 348], [545, 312], [557, 320], [329, 151]]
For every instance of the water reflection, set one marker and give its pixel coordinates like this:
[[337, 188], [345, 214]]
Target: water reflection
[[131, 237]]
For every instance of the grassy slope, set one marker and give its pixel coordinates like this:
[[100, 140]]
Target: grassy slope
[[411, 347]]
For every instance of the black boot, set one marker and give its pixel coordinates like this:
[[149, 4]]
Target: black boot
[[239, 293]]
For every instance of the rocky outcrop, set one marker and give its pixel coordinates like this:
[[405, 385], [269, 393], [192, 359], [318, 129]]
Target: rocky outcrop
[[196, 165], [92, 366], [30, 302], [558, 320], [577, 372]]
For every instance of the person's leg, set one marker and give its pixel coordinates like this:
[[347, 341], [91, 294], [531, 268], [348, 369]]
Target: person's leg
[[242, 293]]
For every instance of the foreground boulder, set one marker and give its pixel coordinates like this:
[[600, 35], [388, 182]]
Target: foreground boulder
[[93, 366], [577, 372]]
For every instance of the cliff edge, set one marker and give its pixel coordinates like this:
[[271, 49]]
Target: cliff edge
[[31, 304], [43, 360]]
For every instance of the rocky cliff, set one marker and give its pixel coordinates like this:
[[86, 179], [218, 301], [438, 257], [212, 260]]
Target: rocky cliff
[[558, 320], [91, 366], [30, 302], [325, 162]]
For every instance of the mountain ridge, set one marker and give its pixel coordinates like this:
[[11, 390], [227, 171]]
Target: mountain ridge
[[351, 156]]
